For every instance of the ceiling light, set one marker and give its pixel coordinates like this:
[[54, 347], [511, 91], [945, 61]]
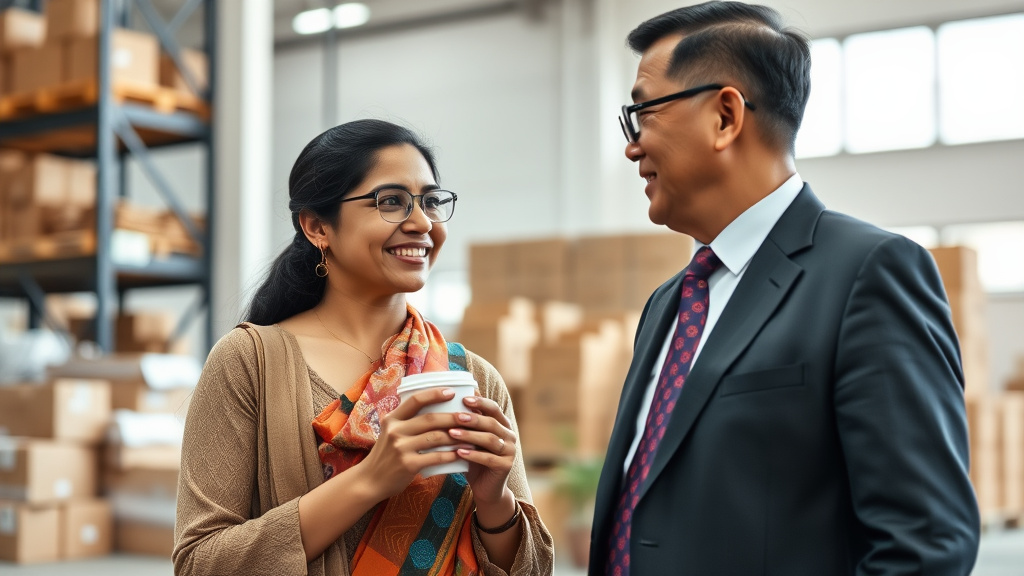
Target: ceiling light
[[312, 21], [351, 14]]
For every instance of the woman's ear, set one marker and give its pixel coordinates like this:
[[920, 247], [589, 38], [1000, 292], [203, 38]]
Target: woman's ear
[[314, 228], [731, 114]]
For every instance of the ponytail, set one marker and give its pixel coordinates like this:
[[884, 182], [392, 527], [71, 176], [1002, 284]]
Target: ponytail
[[292, 285]]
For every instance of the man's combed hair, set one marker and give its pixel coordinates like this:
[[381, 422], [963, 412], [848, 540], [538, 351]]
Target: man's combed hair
[[743, 43]]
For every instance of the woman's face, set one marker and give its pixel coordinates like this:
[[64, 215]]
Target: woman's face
[[381, 258]]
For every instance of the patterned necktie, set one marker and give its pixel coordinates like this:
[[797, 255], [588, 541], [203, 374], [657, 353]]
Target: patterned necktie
[[693, 313]]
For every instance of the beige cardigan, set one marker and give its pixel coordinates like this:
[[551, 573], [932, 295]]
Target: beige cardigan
[[250, 452]]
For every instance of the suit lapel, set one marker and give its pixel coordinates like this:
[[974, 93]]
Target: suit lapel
[[765, 284]]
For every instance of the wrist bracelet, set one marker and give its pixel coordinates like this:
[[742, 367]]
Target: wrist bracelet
[[504, 527]]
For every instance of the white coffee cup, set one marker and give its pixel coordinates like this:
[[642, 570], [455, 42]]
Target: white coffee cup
[[464, 386]]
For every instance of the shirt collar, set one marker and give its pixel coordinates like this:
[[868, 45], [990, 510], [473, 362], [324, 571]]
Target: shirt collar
[[736, 244]]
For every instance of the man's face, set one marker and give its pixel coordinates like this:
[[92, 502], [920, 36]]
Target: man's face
[[674, 149]]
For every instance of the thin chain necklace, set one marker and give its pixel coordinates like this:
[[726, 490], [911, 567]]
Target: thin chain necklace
[[339, 339]]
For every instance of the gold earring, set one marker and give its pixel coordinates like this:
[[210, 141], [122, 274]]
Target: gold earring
[[321, 268]]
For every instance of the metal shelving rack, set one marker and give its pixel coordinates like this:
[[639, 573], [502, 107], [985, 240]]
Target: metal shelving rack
[[117, 127]]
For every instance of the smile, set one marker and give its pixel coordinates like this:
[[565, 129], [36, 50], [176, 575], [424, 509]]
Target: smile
[[410, 252]]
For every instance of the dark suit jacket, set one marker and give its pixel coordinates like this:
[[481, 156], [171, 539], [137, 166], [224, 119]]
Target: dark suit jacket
[[822, 429]]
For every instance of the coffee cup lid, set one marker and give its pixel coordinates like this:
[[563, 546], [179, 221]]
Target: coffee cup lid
[[415, 382]]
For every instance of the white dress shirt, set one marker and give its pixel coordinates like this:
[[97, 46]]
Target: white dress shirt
[[735, 247]]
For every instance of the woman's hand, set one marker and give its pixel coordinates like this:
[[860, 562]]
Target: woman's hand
[[493, 451], [399, 453]]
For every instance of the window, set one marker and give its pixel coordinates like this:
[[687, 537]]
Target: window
[[981, 62], [890, 90], [821, 131]]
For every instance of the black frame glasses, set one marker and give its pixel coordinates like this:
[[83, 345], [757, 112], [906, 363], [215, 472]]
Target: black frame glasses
[[631, 130], [391, 212]]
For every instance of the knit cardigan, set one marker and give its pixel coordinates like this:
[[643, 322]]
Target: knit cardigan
[[249, 454]]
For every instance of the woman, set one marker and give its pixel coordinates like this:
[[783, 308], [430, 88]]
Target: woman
[[297, 457]]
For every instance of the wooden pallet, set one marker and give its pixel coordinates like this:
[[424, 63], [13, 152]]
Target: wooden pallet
[[81, 94], [49, 247]]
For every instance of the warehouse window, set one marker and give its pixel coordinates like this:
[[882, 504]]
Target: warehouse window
[[890, 90], [913, 87], [981, 62], [821, 132]]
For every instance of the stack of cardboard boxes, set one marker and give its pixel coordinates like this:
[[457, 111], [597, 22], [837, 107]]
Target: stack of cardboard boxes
[[995, 416], [72, 485], [557, 317], [57, 52], [49, 496]]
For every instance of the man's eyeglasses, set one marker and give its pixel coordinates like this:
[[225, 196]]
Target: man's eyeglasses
[[630, 123], [395, 205]]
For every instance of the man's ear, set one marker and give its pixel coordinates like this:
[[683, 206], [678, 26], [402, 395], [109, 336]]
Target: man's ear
[[314, 228], [731, 116]]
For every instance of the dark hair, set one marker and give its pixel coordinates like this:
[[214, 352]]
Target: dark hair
[[746, 43], [327, 169]]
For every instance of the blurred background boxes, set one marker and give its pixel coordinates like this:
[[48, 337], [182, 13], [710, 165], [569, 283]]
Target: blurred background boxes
[[21, 28], [28, 534], [64, 409], [86, 529], [68, 19], [135, 59], [44, 471]]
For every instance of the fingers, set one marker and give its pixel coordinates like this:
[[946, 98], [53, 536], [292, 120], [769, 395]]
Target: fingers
[[488, 407], [486, 434]]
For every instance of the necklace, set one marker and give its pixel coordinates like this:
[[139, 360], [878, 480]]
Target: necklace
[[339, 339]]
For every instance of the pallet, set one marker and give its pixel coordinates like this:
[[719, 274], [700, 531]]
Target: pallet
[[85, 93], [49, 247], [992, 521]]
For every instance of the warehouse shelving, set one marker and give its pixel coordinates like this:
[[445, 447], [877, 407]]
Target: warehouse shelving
[[112, 127]]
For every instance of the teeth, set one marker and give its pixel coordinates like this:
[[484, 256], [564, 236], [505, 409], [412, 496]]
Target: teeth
[[413, 252]]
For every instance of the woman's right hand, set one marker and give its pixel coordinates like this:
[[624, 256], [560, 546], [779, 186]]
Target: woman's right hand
[[398, 455]]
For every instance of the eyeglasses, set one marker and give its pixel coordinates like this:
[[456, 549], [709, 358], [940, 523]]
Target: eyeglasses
[[395, 205], [630, 123]]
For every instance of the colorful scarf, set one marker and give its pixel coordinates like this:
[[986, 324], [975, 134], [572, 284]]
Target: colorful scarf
[[424, 530]]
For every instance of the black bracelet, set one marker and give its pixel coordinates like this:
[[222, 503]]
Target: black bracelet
[[504, 527]]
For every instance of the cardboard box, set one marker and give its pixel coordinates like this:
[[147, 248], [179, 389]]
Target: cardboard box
[[196, 63], [42, 471], [135, 537], [72, 19], [503, 334], [25, 221], [151, 457], [40, 181], [21, 28], [28, 534], [80, 189], [1013, 452], [36, 68], [147, 331], [86, 529], [986, 449], [134, 59], [958, 266], [65, 409], [147, 483]]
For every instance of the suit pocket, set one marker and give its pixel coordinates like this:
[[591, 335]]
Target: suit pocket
[[761, 380]]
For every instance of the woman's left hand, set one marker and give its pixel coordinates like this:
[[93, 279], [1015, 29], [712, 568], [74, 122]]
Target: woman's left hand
[[490, 461]]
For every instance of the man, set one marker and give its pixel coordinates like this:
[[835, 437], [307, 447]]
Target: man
[[795, 402]]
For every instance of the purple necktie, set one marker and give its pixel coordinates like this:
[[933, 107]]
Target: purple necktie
[[693, 313]]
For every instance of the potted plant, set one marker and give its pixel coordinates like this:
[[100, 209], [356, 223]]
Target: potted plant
[[576, 481]]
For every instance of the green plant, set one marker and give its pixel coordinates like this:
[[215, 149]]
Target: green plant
[[576, 480]]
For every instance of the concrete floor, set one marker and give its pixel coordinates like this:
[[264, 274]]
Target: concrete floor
[[1001, 554]]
